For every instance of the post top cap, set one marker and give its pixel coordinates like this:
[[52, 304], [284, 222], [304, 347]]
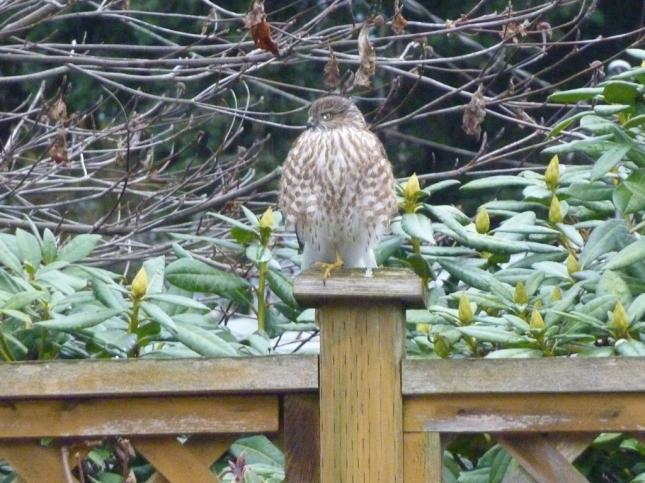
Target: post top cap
[[351, 285]]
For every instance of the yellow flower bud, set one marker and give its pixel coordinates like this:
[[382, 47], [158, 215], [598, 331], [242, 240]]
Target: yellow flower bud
[[520, 296], [552, 173], [441, 346], [412, 187], [619, 319], [423, 328], [140, 284], [555, 211], [556, 294], [573, 265], [537, 322], [267, 220], [465, 310], [482, 221]]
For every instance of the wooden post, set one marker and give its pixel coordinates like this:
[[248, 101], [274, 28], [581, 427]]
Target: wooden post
[[362, 336]]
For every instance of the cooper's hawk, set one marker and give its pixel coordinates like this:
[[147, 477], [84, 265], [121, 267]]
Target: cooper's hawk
[[337, 187]]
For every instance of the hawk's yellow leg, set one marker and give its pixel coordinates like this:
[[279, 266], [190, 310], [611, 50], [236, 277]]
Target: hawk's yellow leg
[[329, 267]]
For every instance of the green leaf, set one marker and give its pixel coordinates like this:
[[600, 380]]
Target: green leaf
[[626, 201], [233, 222], [593, 146], [630, 348], [78, 247], [627, 256], [158, 315], [258, 449], [204, 342], [611, 283], [154, 268], [257, 254], [108, 296], [638, 53], [621, 92], [491, 334], [28, 248], [575, 95], [386, 248], [475, 277], [418, 226], [19, 300], [608, 160], [597, 124], [243, 236], [175, 299], [605, 238], [9, 259], [590, 191], [519, 353], [250, 216], [636, 184], [80, 320], [637, 308], [441, 185], [196, 276], [565, 123], [50, 246], [282, 286], [492, 182]]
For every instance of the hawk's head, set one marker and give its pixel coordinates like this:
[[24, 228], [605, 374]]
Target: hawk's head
[[333, 112]]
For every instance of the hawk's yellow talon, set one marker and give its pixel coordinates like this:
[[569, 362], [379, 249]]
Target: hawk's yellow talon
[[329, 267]]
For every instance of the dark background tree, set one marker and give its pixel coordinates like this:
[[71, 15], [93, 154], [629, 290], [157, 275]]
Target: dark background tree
[[132, 119]]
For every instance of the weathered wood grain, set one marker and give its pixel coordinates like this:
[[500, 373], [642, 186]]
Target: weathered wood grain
[[518, 412], [139, 416], [300, 431], [174, 461], [540, 459], [361, 436], [71, 379], [33, 462], [423, 457], [400, 286], [570, 446], [559, 375], [207, 448]]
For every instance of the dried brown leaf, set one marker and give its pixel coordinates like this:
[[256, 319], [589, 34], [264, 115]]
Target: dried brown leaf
[[331, 72], [256, 15], [256, 22], [398, 21], [514, 31], [58, 111], [367, 56], [474, 114], [58, 150]]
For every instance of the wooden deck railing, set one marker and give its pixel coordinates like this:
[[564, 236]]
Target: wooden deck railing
[[381, 419]]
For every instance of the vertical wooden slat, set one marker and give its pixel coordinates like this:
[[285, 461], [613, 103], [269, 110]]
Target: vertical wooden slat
[[175, 462], [32, 462], [540, 459], [423, 460], [361, 427], [301, 437]]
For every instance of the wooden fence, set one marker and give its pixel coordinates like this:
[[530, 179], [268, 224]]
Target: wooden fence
[[349, 415]]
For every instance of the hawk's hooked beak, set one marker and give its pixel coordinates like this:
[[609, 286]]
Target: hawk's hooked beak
[[310, 123]]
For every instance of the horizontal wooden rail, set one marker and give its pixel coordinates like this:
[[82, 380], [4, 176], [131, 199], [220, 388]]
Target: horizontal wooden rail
[[285, 374], [139, 416], [150, 377], [548, 375]]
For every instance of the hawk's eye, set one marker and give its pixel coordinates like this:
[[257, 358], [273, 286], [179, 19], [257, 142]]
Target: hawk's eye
[[326, 116]]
